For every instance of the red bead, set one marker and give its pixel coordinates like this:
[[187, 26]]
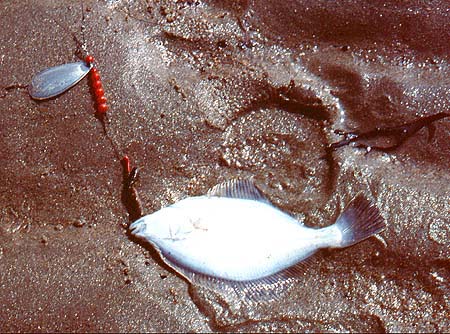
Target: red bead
[[126, 164], [97, 84], [89, 59], [102, 108], [99, 92], [100, 99], [95, 76]]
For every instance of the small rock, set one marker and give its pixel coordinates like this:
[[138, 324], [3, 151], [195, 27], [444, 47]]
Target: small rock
[[222, 43], [59, 227], [79, 223], [163, 10]]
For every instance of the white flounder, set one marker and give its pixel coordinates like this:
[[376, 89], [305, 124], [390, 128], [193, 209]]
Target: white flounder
[[235, 236]]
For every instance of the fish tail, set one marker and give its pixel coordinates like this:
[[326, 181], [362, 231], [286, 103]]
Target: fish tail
[[360, 220]]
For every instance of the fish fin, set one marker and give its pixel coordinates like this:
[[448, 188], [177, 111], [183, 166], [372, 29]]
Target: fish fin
[[266, 289], [360, 220], [238, 188]]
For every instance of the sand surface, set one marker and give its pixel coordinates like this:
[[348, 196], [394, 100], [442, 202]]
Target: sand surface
[[201, 92]]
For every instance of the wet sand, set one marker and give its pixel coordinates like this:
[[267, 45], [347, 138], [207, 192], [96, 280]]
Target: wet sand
[[201, 92]]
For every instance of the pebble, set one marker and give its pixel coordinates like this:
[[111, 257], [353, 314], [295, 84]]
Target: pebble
[[59, 227], [79, 223]]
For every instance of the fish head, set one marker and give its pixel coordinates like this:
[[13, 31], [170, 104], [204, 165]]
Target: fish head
[[138, 227], [167, 225]]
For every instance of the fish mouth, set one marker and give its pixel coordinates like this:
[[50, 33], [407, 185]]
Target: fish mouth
[[136, 227]]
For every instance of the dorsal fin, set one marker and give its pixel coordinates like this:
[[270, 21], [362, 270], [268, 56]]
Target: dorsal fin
[[238, 188]]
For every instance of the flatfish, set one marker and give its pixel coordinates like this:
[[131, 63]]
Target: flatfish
[[233, 237]]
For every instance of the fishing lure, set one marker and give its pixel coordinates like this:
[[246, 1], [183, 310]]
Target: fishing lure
[[234, 237], [56, 80]]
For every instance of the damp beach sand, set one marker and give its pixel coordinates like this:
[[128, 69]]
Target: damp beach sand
[[200, 92]]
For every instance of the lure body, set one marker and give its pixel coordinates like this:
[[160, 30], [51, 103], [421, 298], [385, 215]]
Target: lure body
[[56, 80], [235, 234]]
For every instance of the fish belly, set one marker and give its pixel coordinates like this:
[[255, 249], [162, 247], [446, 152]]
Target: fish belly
[[235, 239]]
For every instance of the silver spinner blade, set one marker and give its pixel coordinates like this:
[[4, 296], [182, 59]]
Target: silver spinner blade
[[56, 80]]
